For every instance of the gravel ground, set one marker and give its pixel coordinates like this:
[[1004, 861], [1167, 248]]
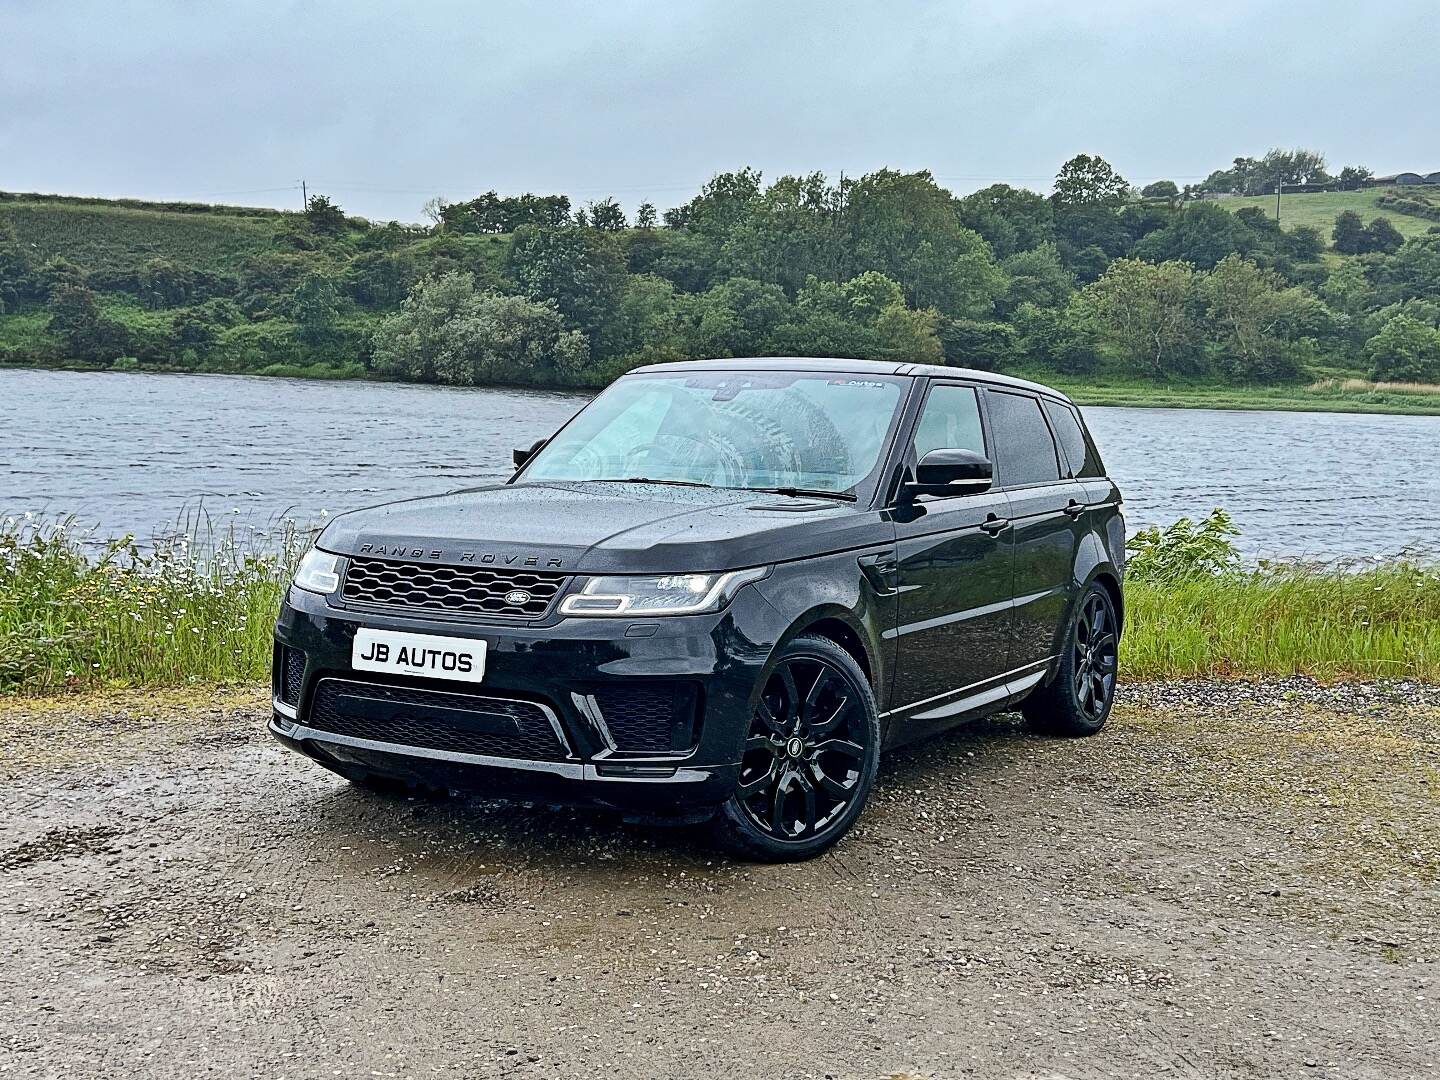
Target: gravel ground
[[1232, 881]]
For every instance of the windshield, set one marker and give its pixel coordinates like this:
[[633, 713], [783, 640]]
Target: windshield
[[734, 429]]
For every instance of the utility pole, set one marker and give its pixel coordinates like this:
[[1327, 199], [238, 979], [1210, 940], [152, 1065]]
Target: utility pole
[[1277, 202], [304, 196]]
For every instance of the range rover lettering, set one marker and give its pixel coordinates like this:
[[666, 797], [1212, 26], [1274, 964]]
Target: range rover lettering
[[716, 595]]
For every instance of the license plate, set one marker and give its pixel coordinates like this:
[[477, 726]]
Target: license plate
[[425, 655]]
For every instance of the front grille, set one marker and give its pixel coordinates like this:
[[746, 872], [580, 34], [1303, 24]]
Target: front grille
[[642, 719], [471, 590], [292, 675], [435, 720]]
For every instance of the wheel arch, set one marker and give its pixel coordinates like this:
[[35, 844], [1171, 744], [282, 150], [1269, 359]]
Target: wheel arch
[[846, 636], [1109, 580], [840, 626], [1094, 566], [1104, 574]]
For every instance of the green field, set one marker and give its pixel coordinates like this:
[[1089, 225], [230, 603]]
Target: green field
[[109, 237], [1321, 208]]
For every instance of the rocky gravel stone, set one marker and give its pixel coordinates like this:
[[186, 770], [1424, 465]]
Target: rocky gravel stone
[[1233, 880]]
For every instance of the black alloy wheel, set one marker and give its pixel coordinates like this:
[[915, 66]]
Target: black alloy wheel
[[809, 758], [1096, 645], [1078, 699]]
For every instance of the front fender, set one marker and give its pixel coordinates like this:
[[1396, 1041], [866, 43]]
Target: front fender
[[832, 595]]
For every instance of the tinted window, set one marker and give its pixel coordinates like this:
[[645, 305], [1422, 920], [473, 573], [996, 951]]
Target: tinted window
[[1024, 450], [1082, 457], [950, 420]]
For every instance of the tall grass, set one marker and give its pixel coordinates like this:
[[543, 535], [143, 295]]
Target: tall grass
[[1378, 621], [197, 608], [1194, 609], [1364, 386]]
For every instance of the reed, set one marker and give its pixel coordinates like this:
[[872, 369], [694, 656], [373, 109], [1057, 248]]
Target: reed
[[197, 607], [1364, 386], [1377, 621]]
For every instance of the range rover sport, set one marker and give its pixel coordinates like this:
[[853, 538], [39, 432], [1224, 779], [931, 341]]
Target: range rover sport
[[718, 593]]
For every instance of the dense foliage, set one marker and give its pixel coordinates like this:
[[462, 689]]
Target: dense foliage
[[1097, 278]]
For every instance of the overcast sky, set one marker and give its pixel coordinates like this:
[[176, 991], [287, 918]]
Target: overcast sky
[[382, 105]]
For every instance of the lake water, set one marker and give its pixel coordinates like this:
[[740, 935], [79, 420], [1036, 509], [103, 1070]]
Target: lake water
[[133, 452]]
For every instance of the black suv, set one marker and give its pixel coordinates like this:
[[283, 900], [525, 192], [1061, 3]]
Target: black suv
[[717, 594]]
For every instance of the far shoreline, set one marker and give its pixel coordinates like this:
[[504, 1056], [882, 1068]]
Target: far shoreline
[[1312, 398]]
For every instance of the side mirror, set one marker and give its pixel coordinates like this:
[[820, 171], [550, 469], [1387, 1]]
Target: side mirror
[[520, 457], [947, 473]]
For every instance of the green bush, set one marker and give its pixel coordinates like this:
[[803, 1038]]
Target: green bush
[[1184, 550], [1412, 204], [1405, 350]]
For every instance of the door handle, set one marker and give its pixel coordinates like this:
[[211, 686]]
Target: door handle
[[1075, 509], [995, 525]]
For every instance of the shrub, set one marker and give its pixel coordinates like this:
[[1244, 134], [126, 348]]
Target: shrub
[[1184, 550], [87, 334], [1381, 236], [1412, 205], [450, 332], [972, 343], [1349, 233], [1058, 339], [1405, 350]]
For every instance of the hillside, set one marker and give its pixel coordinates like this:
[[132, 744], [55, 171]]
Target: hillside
[[1145, 300], [112, 236], [1320, 209]]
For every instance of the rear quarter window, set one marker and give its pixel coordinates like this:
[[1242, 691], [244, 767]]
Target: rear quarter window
[[1077, 448]]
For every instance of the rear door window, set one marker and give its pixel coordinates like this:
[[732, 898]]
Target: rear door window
[[1024, 449]]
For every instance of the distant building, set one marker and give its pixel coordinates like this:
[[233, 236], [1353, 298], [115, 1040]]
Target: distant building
[[1402, 178]]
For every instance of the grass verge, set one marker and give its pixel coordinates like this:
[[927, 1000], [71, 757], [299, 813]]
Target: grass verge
[[1349, 395], [1381, 621], [197, 610]]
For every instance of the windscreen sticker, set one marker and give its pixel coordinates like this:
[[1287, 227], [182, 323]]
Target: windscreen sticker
[[868, 384]]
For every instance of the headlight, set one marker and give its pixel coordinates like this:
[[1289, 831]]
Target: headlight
[[318, 572], [668, 594]]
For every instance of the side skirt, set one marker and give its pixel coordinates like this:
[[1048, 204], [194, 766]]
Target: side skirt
[[965, 703]]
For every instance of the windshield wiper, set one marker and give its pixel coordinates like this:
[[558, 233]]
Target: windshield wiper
[[647, 480], [807, 493]]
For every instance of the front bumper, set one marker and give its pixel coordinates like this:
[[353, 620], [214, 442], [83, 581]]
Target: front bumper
[[712, 663]]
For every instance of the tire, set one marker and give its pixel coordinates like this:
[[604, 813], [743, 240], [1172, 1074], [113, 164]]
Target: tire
[[809, 758], [1078, 700]]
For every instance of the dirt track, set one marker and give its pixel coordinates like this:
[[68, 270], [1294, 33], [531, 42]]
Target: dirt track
[[1226, 883]]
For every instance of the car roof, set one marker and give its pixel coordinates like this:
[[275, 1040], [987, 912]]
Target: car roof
[[842, 366]]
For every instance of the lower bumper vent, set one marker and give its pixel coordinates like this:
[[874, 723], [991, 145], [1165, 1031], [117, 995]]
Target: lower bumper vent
[[649, 719], [292, 675], [435, 720]]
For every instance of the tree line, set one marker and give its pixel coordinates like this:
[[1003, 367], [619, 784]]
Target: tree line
[[1096, 278]]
